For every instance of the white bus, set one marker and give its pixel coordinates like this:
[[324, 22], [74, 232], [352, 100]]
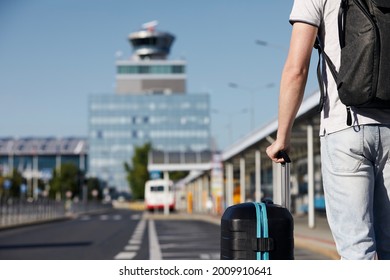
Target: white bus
[[159, 193]]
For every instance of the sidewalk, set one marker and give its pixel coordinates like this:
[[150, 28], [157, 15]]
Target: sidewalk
[[318, 239]]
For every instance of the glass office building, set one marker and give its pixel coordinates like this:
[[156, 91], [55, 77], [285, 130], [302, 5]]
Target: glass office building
[[150, 105]]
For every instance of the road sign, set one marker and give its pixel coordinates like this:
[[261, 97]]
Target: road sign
[[23, 188], [7, 184]]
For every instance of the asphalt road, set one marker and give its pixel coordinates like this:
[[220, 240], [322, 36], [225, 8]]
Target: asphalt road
[[90, 237], [118, 234]]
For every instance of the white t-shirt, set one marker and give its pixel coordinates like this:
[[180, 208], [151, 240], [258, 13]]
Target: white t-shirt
[[324, 15]]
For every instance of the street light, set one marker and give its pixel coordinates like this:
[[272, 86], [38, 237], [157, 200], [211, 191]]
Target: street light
[[229, 117], [267, 44], [252, 101]]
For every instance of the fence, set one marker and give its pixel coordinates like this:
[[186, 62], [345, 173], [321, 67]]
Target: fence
[[23, 211]]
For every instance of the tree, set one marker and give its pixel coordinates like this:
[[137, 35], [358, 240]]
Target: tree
[[137, 173], [67, 179], [14, 181], [93, 185], [177, 175]]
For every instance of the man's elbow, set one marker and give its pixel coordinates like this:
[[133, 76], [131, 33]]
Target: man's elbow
[[295, 74]]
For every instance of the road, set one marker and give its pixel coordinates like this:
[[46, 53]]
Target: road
[[118, 234], [90, 237]]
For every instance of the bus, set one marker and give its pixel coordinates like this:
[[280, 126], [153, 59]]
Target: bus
[[159, 193]]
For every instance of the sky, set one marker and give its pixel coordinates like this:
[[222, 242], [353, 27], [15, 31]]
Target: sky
[[55, 53]]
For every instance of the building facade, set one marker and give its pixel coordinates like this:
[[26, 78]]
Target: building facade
[[150, 105], [36, 158]]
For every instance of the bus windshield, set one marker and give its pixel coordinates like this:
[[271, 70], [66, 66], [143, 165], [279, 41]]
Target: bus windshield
[[157, 188]]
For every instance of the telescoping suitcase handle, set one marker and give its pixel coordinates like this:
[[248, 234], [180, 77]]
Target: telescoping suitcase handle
[[285, 180]]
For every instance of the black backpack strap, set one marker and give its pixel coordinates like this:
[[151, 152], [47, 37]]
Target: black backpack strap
[[319, 76], [320, 48], [328, 61], [341, 22]]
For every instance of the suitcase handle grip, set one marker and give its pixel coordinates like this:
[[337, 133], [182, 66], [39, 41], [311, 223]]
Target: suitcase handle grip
[[282, 154]]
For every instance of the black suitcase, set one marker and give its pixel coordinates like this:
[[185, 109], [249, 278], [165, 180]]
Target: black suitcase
[[260, 230]]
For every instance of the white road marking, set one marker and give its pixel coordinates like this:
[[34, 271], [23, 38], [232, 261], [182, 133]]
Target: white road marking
[[169, 246], [135, 217], [130, 251], [125, 255], [132, 248], [85, 218], [154, 246], [212, 256], [103, 217], [117, 217], [137, 235]]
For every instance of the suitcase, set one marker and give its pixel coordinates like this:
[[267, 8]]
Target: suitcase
[[260, 230]]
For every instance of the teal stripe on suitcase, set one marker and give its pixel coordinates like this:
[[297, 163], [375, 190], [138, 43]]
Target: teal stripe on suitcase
[[262, 227]]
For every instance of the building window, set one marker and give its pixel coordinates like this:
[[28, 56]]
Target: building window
[[152, 69], [144, 69], [177, 69]]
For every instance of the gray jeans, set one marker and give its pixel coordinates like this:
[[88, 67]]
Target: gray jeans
[[356, 178]]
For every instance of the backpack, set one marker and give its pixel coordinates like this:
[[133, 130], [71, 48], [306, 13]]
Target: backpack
[[363, 79]]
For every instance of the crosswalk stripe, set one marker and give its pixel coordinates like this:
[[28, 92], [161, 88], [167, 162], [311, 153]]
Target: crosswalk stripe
[[125, 255], [131, 250]]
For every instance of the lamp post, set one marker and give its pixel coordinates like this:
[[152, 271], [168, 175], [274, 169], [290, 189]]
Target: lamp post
[[251, 105], [252, 100], [267, 44], [229, 118]]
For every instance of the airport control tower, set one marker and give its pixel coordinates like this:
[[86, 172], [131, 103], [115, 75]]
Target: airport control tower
[[150, 105], [151, 44], [148, 70]]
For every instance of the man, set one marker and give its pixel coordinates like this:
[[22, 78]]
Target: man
[[355, 159]]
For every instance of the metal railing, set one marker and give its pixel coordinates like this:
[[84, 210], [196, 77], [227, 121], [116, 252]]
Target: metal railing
[[14, 211]]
